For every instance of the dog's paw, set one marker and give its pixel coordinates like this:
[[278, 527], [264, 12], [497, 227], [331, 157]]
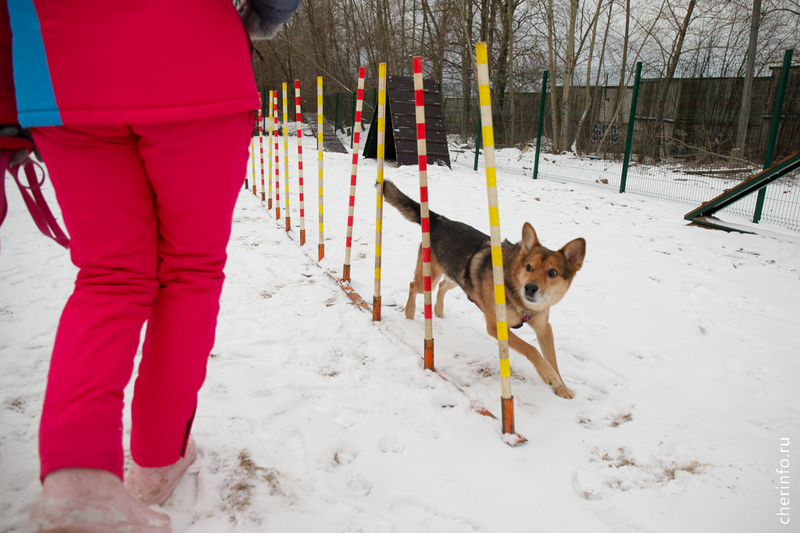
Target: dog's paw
[[552, 378], [410, 312], [563, 391]]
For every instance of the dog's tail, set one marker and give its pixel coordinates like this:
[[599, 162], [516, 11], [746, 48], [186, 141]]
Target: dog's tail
[[395, 197]]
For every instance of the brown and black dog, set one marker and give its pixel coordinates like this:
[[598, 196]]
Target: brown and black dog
[[535, 279]]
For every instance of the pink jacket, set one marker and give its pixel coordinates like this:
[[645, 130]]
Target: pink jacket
[[88, 62]]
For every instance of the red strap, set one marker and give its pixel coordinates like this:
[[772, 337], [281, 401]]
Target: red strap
[[32, 194], [15, 143], [5, 158]]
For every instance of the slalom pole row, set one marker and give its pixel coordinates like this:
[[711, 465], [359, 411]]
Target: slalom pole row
[[274, 131], [507, 400]]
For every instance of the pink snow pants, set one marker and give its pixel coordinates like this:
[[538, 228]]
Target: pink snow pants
[[148, 208]]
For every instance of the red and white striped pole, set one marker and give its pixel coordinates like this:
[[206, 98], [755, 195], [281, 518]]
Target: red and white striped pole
[[376, 298], [299, 121], [354, 172], [277, 158], [286, 155], [320, 120], [269, 143], [422, 157]]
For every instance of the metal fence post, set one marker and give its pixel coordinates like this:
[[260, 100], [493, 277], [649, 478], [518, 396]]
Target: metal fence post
[[478, 141], [773, 131], [541, 125], [629, 139]]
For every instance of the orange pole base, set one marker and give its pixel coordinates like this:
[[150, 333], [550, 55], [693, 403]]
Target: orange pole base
[[269, 204], [288, 224], [321, 251], [302, 237], [255, 193], [346, 273], [508, 415], [376, 308], [429, 354]]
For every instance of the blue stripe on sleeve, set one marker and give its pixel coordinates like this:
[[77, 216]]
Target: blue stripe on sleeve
[[36, 100]]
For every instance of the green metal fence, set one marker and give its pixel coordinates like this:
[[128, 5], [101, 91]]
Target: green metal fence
[[672, 142], [340, 110]]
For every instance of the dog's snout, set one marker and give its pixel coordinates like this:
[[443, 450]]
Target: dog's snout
[[531, 289]]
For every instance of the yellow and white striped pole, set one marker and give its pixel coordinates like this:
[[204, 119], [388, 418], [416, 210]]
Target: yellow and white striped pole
[[261, 151], [286, 154], [320, 120], [376, 299], [269, 143], [276, 132], [484, 94]]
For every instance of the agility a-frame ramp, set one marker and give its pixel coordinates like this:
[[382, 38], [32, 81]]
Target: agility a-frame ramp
[[401, 123], [703, 215]]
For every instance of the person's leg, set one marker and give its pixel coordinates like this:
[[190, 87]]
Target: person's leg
[[109, 210], [196, 169]]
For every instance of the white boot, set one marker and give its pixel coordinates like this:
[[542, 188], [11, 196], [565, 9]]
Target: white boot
[[86, 500], [154, 485]]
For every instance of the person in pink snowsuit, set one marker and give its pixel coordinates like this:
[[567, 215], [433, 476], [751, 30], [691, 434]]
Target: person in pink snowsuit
[[142, 112]]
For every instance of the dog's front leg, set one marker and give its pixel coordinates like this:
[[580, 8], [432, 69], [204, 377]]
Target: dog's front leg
[[545, 370], [544, 334]]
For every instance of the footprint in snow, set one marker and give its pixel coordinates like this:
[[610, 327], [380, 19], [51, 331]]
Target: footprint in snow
[[426, 519]]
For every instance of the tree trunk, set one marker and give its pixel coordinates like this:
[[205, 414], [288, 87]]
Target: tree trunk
[[589, 96], [552, 68], [744, 114], [569, 69], [673, 65]]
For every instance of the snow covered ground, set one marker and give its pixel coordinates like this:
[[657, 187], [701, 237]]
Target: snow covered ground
[[680, 343]]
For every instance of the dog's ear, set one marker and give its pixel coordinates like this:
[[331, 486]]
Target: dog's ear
[[574, 251], [529, 238]]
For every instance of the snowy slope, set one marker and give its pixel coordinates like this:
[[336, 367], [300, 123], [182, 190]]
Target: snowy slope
[[681, 345]]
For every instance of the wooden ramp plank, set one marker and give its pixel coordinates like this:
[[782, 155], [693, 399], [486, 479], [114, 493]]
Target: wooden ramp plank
[[401, 130], [330, 141]]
